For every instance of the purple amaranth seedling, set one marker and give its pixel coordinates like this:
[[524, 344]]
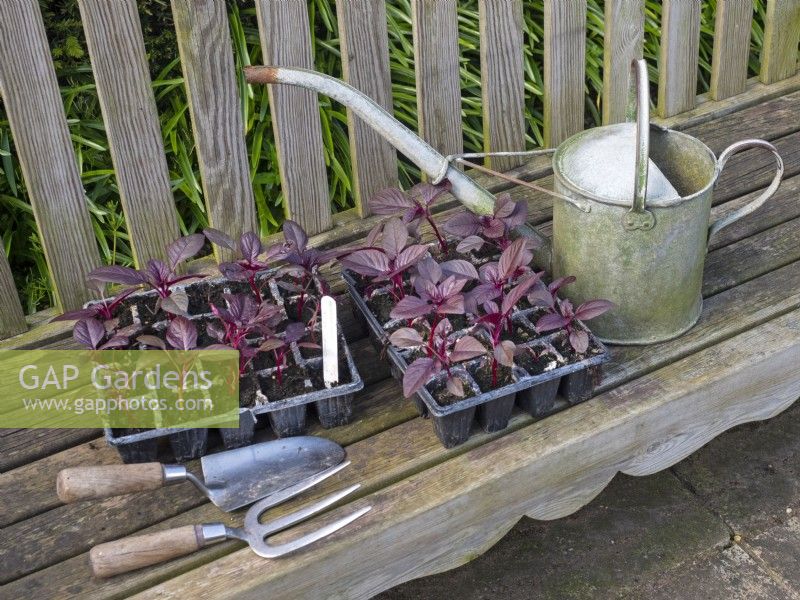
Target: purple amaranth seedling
[[496, 277], [389, 260], [414, 206], [158, 275], [95, 335], [103, 309], [496, 319], [475, 230], [254, 257], [280, 345], [438, 290], [566, 317], [546, 296], [443, 352]]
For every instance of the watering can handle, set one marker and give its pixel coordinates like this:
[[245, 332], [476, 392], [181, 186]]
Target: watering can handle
[[766, 195], [639, 217]]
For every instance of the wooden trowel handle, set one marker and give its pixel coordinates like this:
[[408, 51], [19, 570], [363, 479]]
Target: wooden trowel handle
[[129, 554], [84, 483]]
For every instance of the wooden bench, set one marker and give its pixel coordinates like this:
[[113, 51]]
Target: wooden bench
[[433, 509]]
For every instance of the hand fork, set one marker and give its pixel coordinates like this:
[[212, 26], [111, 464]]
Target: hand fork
[[128, 554]]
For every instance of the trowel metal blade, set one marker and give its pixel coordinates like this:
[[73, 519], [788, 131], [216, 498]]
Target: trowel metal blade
[[239, 477]]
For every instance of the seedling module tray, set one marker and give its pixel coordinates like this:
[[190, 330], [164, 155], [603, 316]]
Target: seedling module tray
[[533, 392], [287, 416]]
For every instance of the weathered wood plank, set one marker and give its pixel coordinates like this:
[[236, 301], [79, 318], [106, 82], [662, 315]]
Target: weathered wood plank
[[678, 56], [25, 445], [731, 48], [286, 41], [543, 471], [502, 80], [12, 317], [436, 53], [623, 40], [36, 114], [781, 36], [564, 68], [365, 62], [114, 37], [205, 48]]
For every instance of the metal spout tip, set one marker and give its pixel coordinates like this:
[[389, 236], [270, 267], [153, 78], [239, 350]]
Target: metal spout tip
[[261, 74]]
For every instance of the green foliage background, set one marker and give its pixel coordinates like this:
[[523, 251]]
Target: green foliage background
[[65, 33]]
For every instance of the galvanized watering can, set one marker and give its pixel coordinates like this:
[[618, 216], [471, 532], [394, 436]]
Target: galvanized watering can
[[631, 211]]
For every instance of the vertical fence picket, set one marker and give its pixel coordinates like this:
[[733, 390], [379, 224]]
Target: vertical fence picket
[[502, 80], [678, 58], [205, 48], [435, 27], [781, 35], [36, 114], [622, 42], [564, 68], [731, 48], [114, 37], [12, 317], [365, 62], [286, 42]]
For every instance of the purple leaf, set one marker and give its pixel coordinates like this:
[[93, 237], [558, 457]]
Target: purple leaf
[[369, 262], [250, 246], [452, 306], [410, 307], [406, 337], [593, 308], [541, 296], [390, 202], [462, 225], [579, 340], [294, 332], [182, 334], [494, 229], [429, 270], [427, 193], [559, 283], [503, 206], [455, 386], [504, 353], [465, 348], [232, 270], [514, 257], [417, 375], [518, 292], [395, 236], [74, 315], [118, 341], [271, 344], [471, 243], [460, 269], [409, 256], [443, 328], [176, 303], [219, 238], [294, 235], [151, 340], [373, 235], [550, 322], [184, 248], [117, 274], [89, 333], [518, 216]]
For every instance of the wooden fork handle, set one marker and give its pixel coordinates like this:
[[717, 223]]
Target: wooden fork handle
[[84, 483], [129, 554]]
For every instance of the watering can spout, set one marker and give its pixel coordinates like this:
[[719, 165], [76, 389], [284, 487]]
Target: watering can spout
[[422, 154]]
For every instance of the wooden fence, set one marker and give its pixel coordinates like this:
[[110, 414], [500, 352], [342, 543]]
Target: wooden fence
[[113, 32]]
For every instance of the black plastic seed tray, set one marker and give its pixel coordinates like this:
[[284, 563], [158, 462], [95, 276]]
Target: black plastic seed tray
[[287, 417], [534, 393]]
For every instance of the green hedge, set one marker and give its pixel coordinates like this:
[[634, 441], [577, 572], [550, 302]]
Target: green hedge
[[62, 19]]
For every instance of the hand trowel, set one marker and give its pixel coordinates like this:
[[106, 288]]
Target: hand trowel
[[231, 479]]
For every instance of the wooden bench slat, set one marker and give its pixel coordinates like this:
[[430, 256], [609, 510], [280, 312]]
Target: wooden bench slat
[[205, 47], [36, 114], [502, 80], [623, 41], [543, 471], [286, 42], [436, 55], [678, 56], [731, 48], [12, 316], [781, 36], [364, 40], [564, 68], [116, 46]]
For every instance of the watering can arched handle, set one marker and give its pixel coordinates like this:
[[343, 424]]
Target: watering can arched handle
[[766, 195], [638, 217]]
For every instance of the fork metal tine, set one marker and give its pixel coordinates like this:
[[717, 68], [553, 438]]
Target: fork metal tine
[[285, 494]]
